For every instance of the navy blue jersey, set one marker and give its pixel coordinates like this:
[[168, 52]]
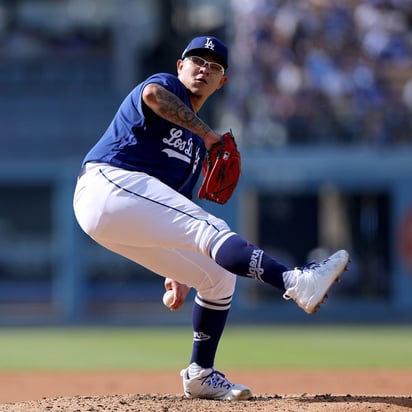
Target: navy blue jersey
[[137, 139]]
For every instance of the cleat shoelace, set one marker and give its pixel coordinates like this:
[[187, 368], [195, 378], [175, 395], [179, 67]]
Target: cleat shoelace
[[217, 380], [311, 265]]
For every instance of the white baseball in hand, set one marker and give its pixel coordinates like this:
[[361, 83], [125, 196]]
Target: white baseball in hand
[[168, 298]]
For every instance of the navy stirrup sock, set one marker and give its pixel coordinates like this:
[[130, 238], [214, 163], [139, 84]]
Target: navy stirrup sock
[[208, 320], [244, 259]]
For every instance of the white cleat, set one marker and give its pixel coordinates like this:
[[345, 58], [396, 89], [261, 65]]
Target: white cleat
[[211, 384], [315, 279]]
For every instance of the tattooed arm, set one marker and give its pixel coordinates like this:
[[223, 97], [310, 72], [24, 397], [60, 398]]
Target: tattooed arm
[[167, 105]]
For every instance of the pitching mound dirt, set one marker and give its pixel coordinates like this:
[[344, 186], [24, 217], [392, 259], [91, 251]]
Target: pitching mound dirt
[[309, 391], [171, 403]]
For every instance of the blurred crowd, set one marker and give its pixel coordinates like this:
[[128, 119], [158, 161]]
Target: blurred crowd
[[321, 71], [302, 71]]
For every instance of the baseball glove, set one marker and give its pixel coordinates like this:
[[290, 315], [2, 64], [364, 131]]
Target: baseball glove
[[221, 170]]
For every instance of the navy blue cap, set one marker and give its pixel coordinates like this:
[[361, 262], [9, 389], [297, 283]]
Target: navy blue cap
[[210, 45]]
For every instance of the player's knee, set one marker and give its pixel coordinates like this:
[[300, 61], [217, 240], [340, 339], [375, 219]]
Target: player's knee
[[219, 289], [212, 231]]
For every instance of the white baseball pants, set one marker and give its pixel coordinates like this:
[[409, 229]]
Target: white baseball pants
[[139, 217]]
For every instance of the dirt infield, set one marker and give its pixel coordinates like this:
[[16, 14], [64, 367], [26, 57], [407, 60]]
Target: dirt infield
[[310, 391]]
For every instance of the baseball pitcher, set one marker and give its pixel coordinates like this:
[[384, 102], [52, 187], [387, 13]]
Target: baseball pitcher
[[134, 196]]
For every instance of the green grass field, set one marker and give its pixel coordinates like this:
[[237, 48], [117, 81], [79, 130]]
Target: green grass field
[[246, 347]]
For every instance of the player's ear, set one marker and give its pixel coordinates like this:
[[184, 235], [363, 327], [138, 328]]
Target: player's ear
[[223, 81], [179, 65]]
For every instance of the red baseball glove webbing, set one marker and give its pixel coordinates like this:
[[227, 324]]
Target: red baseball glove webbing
[[221, 170]]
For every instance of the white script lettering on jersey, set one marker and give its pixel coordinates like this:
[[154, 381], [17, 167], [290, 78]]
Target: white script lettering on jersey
[[182, 149], [197, 159]]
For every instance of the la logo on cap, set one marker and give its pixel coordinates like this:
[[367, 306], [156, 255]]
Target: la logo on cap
[[209, 44]]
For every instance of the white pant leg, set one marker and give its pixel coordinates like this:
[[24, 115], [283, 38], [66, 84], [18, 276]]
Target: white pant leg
[[144, 220], [133, 208], [185, 266]]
